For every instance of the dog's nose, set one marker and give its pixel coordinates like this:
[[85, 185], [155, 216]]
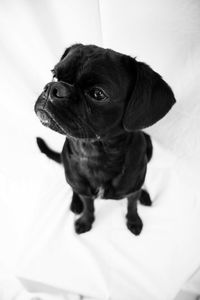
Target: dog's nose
[[55, 91]]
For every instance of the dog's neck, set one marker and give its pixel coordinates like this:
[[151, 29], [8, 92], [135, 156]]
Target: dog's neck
[[86, 149]]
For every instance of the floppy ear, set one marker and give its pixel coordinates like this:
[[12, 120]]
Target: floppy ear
[[150, 101]]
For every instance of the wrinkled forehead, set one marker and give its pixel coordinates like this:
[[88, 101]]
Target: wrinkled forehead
[[90, 64]]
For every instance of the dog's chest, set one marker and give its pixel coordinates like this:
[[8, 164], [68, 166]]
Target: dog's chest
[[94, 163]]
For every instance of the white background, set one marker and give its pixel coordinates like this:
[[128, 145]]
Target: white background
[[35, 223]]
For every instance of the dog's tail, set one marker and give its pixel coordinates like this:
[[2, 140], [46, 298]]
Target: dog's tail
[[149, 146], [46, 150]]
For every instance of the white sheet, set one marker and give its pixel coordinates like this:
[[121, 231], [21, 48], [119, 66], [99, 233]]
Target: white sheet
[[38, 242]]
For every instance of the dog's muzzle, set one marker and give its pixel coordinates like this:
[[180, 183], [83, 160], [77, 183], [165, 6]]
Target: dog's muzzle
[[57, 91], [53, 95], [50, 105]]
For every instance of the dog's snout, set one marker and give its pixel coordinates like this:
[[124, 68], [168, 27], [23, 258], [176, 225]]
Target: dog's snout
[[55, 91]]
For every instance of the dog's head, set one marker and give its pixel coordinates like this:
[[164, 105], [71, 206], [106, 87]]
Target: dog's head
[[98, 92]]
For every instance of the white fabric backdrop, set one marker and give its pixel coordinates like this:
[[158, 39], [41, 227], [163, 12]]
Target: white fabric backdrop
[[36, 228]]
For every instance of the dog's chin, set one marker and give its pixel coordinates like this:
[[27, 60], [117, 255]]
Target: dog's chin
[[48, 121]]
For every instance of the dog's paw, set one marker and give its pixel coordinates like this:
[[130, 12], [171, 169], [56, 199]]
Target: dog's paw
[[145, 198], [135, 225], [76, 206], [82, 226]]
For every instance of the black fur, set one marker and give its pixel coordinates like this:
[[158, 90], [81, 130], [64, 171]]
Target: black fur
[[101, 101]]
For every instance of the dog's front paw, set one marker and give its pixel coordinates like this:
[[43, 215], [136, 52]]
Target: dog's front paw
[[82, 225], [135, 225], [145, 198]]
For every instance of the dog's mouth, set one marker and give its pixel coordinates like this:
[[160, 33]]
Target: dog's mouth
[[51, 117], [48, 120]]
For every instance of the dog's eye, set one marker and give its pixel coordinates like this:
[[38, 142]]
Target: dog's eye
[[97, 94]]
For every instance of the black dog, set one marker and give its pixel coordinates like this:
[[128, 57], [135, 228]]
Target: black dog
[[100, 100]]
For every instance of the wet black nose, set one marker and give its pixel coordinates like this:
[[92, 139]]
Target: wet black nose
[[55, 91]]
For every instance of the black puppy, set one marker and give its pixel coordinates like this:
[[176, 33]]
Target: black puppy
[[100, 100]]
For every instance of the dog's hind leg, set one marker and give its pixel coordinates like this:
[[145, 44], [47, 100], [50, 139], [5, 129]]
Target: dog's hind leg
[[145, 198], [46, 150], [149, 146]]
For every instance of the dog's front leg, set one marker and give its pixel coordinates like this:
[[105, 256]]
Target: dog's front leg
[[76, 204], [84, 223], [134, 223]]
